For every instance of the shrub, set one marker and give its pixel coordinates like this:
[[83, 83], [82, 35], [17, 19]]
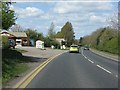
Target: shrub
[[5, 43], [48, 42], [112, 46]]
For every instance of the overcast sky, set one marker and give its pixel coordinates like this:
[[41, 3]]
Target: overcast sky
[[85, 16]]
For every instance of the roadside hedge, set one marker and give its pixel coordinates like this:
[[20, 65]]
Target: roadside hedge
[[5, 43], [104, 39]]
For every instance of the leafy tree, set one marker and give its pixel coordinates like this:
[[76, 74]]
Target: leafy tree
[[86, 40], [105, 39], [40, 36], [96, 35], [49, 42], [8, 16], [76, 42], [67, 33], [80, 40], [33, 34]]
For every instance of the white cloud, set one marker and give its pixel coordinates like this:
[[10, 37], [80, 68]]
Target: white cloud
[[46, 16], [28, 11], [11, 7], [84, 16], [95, 18], [65, 7], [72, 7]]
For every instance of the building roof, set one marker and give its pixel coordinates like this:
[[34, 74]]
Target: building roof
[[6, 33], [19, 34], [16, 34], [60, 39]]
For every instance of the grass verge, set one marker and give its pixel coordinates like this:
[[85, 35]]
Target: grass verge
[[13, 64], [21, 51], [13, 71], [102, 51]]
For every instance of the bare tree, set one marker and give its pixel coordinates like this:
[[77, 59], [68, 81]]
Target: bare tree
[[51, 32], [113, 20], [16, 28]]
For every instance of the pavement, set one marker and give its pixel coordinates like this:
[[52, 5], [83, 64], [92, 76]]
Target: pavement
[[78, 70], [37, 56]]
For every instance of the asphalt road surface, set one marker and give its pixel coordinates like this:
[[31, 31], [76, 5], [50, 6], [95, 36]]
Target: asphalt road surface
[[78, 70]]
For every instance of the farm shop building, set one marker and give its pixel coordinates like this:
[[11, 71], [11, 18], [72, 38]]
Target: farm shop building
[[20, 38]]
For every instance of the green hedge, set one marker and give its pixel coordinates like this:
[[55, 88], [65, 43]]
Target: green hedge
[[5, 43], [110, 46]]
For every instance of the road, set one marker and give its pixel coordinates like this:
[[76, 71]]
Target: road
[[78, 70]]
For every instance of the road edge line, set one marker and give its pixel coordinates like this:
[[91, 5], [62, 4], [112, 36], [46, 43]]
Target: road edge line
[[40, 67]]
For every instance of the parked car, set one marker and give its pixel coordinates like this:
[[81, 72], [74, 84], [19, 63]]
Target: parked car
[[74, 48], [12, 43]]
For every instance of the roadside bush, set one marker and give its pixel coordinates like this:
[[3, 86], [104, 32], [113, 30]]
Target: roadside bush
[[11, 54], [49, 42], [112, 46], [55, 43], [104, 39], [11, 66], [5, 43]]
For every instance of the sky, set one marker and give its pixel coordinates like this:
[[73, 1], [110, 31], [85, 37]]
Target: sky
[[85, 16]]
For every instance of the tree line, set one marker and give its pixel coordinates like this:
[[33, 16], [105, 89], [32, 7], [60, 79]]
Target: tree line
[[104, 39], [8, 23]]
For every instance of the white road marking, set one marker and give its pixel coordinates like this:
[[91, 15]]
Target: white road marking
[[98, 65], [90, 61], [85, 57], [116, 76], [104, 69]]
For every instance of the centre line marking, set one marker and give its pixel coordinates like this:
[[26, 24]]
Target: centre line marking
[[116, 76], [104, 69], [90, 61], [85, 57]]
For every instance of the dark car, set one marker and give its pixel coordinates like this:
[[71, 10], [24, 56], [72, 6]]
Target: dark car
[[11, 43], [86, 48]]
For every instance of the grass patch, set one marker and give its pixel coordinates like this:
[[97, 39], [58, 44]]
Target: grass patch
[[104, 52], [13, 71], [20, 50], [13, 64]]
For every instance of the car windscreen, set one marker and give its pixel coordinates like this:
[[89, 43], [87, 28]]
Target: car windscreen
[[74, 46]]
